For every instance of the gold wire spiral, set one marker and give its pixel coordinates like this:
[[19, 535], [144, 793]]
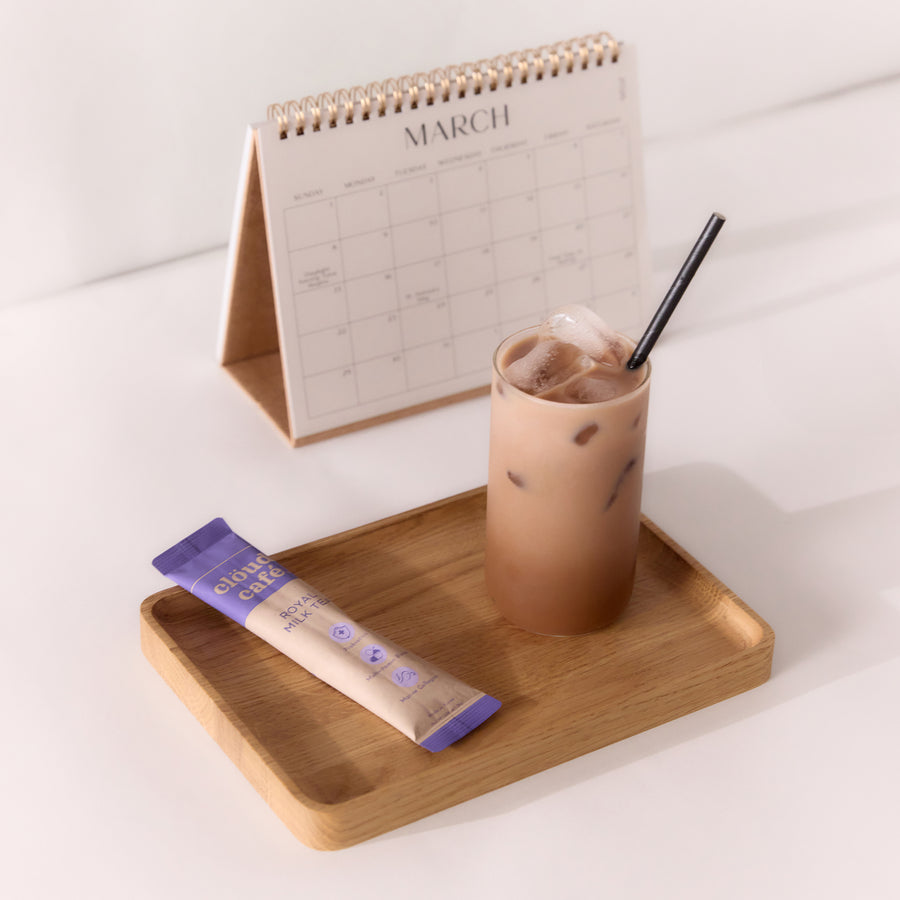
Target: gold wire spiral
[[375, 92], [441, 81], [275, 113], [552, 58], [409, 85], [360, 98], [392, 87], [442, 85], [326, 103], [295, 111]]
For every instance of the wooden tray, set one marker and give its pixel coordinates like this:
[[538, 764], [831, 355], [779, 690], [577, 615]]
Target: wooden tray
[[336, 774]]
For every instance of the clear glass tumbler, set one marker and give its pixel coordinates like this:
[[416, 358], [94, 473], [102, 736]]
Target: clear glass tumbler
[[563, 504]]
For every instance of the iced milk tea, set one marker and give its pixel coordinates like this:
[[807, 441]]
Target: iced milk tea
[[568, 426]]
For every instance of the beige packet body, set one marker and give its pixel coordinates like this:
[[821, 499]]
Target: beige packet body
[[428, 705]]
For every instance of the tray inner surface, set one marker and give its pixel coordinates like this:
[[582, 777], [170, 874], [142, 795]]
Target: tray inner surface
[[684, 642]]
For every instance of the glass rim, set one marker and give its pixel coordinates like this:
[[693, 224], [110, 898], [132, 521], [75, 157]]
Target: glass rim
[[643, 385]]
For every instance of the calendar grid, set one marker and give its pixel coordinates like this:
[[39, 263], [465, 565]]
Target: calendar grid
[[585, 211], [346, 372], [534, 165], [418, 278], [492, 290]]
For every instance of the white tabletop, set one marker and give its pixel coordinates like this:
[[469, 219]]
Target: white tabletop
[[773, 457]]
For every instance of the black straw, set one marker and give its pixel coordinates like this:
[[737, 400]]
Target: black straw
[[676, 291]]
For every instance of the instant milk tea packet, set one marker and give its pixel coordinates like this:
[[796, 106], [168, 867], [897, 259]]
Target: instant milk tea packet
[[429, 706]]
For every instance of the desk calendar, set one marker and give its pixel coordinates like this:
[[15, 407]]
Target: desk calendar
[[387, 238]]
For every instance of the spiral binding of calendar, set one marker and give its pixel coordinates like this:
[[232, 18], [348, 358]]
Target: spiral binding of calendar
[[441, 85]]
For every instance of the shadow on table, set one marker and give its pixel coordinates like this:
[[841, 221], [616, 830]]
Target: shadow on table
[[818, 576]]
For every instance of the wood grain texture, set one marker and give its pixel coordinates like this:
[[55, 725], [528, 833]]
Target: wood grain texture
[[337, 775]]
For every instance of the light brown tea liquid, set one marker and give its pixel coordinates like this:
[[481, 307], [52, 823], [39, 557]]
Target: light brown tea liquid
[[563, 504]]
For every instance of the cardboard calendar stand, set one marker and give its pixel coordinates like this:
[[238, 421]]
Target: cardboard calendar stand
[[250, 347], [289, 168]]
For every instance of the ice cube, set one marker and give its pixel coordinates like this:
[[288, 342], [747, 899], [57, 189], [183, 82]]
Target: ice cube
[[547, 364], [595, 390], [578, 325], [583, 389]]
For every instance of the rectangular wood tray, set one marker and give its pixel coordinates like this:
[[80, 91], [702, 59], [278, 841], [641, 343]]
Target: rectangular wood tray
[[336, 774]]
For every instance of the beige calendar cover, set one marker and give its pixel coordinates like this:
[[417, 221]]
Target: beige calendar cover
[[386, 239]]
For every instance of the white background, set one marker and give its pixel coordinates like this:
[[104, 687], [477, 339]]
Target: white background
[[773, 450], [123, 122]]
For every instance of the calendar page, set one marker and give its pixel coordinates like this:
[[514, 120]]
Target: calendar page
[[405, 247]]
